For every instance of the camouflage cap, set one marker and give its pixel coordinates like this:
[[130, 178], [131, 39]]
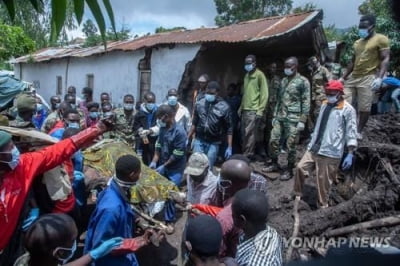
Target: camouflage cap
[[198, 162], [26, 102], [4, 138]]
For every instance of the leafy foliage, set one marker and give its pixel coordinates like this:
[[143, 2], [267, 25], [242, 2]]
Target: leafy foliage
[[306, 8], [233, 11], [93, 38], [332, 33], [59, 10], [162, 29], [13, 43]]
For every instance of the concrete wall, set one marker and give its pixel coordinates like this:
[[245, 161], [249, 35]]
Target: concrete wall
[[168, 66], [115, 72]]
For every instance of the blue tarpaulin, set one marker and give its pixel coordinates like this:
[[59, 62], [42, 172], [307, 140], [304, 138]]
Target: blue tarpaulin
[[9, 89]]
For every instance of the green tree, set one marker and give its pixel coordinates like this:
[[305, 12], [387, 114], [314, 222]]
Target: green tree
[[233, 11], [94, 39], [162, 29], [333, 34], [13, 43], [305, 8], [59, 10]]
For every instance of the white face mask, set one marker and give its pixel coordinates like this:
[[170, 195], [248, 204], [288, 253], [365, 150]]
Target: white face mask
[[124, 184], [288, 71], [71, 252], [332, 98]]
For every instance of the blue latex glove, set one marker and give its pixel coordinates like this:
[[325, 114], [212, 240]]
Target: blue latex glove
[[153, 165], [161, 169], [228, 153], [33, 215], [106, 247], [347, 162]]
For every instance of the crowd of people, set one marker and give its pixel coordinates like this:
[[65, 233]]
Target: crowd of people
[[40, 220]]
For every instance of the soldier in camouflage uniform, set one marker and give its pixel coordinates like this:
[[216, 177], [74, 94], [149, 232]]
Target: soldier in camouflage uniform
[[320, 75], [290, 116], [124, 116], [274, 83], [336, 70], [26, 107]]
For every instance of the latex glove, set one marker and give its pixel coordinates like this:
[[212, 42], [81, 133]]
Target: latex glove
[[376, 84], [228, 153], [105, 248], [161, 169], [300, 126], [348, 161], [144, 133], [153, 165], [33, 215]]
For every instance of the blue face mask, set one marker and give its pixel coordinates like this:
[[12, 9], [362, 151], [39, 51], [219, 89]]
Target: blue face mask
[[150, 106], [73, 106], [248, 67], [128, 106], [160, 123], [93, 115], [73, 125], [210, 97], [172, 100], [15, 154], [57, 105], [71, 252], [363, 33]]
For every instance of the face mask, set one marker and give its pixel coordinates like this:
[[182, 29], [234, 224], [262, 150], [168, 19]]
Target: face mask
[[332, 98], [14, 158], [73, 106], [210, 98], [124, 184], [71, 252], [107, 114], [248, 67], [172, 100], [93, 115], [288, 71], [73, 125], [83, 97], [128, 106], [160, 123], [363, 33], [150, 106], [56, 106]]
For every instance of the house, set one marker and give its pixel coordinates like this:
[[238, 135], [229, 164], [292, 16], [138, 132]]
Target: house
[[174, 59]]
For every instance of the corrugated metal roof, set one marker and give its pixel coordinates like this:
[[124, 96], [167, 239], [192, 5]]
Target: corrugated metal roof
[[247, 31]]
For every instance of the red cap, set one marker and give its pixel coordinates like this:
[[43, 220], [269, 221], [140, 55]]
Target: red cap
[[334, 85]]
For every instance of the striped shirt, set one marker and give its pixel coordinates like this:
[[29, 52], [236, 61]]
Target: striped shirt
[[265, 249]]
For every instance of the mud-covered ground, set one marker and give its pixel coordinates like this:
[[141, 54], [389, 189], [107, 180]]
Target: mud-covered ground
[[375, 194]]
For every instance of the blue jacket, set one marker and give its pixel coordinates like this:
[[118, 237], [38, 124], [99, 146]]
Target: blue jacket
[[113, 217], [171, 143]]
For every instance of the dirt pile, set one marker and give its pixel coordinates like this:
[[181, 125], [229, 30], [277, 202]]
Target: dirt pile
[[371, 191]]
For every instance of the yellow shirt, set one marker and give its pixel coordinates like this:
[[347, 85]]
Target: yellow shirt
[[367, 54]]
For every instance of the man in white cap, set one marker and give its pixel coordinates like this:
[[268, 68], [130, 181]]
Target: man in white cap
[[201, 182]]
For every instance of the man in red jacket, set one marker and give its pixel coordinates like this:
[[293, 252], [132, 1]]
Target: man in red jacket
[[17, 173]]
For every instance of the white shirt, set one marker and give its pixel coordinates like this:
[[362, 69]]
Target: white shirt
[[204, 192]]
